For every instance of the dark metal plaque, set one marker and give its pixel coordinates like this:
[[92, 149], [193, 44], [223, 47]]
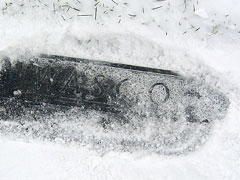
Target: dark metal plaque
[[154, 109]]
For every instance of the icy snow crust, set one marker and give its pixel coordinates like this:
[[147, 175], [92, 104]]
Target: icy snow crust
[[159, 34], [159, 112]]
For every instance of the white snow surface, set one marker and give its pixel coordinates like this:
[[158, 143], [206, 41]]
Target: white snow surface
[[154, 33]]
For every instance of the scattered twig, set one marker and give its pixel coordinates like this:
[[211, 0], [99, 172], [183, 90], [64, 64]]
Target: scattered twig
[[96, 3], [70, 7], [78, 1], [95, 17], [215, 30], [132, 15], [115, 2], [84, 15], [76, 9], [157, 7], [197, 29], [63, 18], [185, 5], [54, 9]]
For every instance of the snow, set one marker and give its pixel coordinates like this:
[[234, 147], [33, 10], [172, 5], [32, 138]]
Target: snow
[[201, 13], [197, 38]]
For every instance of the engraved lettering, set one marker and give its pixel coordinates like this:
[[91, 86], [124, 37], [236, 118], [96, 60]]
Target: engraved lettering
[[159, 93]]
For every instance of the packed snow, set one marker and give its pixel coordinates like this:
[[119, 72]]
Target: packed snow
[[194, 38]]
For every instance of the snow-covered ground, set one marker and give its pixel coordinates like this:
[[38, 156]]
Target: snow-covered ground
[[199, 38]]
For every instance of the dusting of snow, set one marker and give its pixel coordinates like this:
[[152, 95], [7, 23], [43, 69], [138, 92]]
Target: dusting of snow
[[160, 34]]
